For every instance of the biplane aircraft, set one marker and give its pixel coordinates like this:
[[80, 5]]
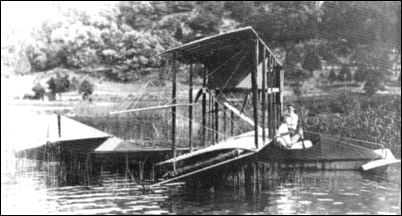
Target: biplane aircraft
[[240, 61]]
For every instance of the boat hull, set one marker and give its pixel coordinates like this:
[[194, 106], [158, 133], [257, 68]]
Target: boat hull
[[327, 153]]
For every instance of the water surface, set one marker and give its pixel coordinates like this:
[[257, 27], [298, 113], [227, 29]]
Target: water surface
[[290, 192]]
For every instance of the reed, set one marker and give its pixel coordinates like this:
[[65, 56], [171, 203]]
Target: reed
[[375, 119], [154, 126]]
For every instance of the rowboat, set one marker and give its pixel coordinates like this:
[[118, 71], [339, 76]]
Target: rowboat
[[331, 153]]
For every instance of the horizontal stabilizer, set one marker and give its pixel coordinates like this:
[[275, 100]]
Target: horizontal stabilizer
[[387, 159]]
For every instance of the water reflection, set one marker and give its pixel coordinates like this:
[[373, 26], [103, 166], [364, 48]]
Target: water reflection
[[295, 192]]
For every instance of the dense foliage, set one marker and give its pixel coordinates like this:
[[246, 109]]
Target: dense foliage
[[345, 74], [59, 84], [86, 88], [126, 37], [376, 119], [39, 91], [332, 76]]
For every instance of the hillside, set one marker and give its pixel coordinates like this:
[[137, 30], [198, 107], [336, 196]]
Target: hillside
[[119, 43]]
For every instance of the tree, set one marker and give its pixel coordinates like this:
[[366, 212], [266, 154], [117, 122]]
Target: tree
[[52, 85], [208, 19], [376, 65], [64, 83], [312, 62], [370, 87], [360, 74], [374, 82], [332, 76], [344, 26], [39, 91], [293, 57], [345, 74], [299, 76], [178, 34], [126, 37], [86, 88], [323, 78], [59, 84], [204, 24], [74, 84]]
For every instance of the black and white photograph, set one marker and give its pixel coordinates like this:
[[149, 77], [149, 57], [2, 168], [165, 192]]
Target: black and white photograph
[[201, 107]]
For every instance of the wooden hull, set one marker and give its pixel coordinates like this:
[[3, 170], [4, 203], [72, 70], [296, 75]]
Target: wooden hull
[[327, 153]]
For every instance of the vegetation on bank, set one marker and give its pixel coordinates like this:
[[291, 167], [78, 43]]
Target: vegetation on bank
[[376, 118], [121, 41], [60, 84]]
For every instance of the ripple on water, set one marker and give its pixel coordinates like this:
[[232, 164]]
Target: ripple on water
[[156, 212], [120, 196], [326, 200], [305, 202], [349, 194], [320, 194], [381, 198]]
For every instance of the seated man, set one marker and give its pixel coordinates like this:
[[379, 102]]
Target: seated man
[[293, 129], [284, 138]]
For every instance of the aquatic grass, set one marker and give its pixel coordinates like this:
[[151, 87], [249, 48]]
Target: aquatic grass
[[153, 127], [375, 119]]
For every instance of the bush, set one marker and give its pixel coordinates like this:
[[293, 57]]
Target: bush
[[39, 91], [372, 118], [345, 74], [374, 82], [86, 88], [361, 74], [59, 84], [332, 76], [27, 96], [370, 87], [296, 75], [312, 62], [297, 90], [74, 84]]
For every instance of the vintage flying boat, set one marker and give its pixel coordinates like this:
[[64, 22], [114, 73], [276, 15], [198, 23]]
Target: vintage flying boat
[[239, 62]]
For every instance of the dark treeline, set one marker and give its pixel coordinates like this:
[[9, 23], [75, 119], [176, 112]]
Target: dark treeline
[[125, 37]]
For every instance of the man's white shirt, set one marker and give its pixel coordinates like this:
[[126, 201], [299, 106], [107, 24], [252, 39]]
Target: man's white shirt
[[294, 119]]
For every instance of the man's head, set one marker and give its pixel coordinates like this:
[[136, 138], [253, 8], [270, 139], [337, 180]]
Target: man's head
[[291, 108], [286, 119]]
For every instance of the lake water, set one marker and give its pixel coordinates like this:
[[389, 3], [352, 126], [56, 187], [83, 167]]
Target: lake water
[[291, 192]]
